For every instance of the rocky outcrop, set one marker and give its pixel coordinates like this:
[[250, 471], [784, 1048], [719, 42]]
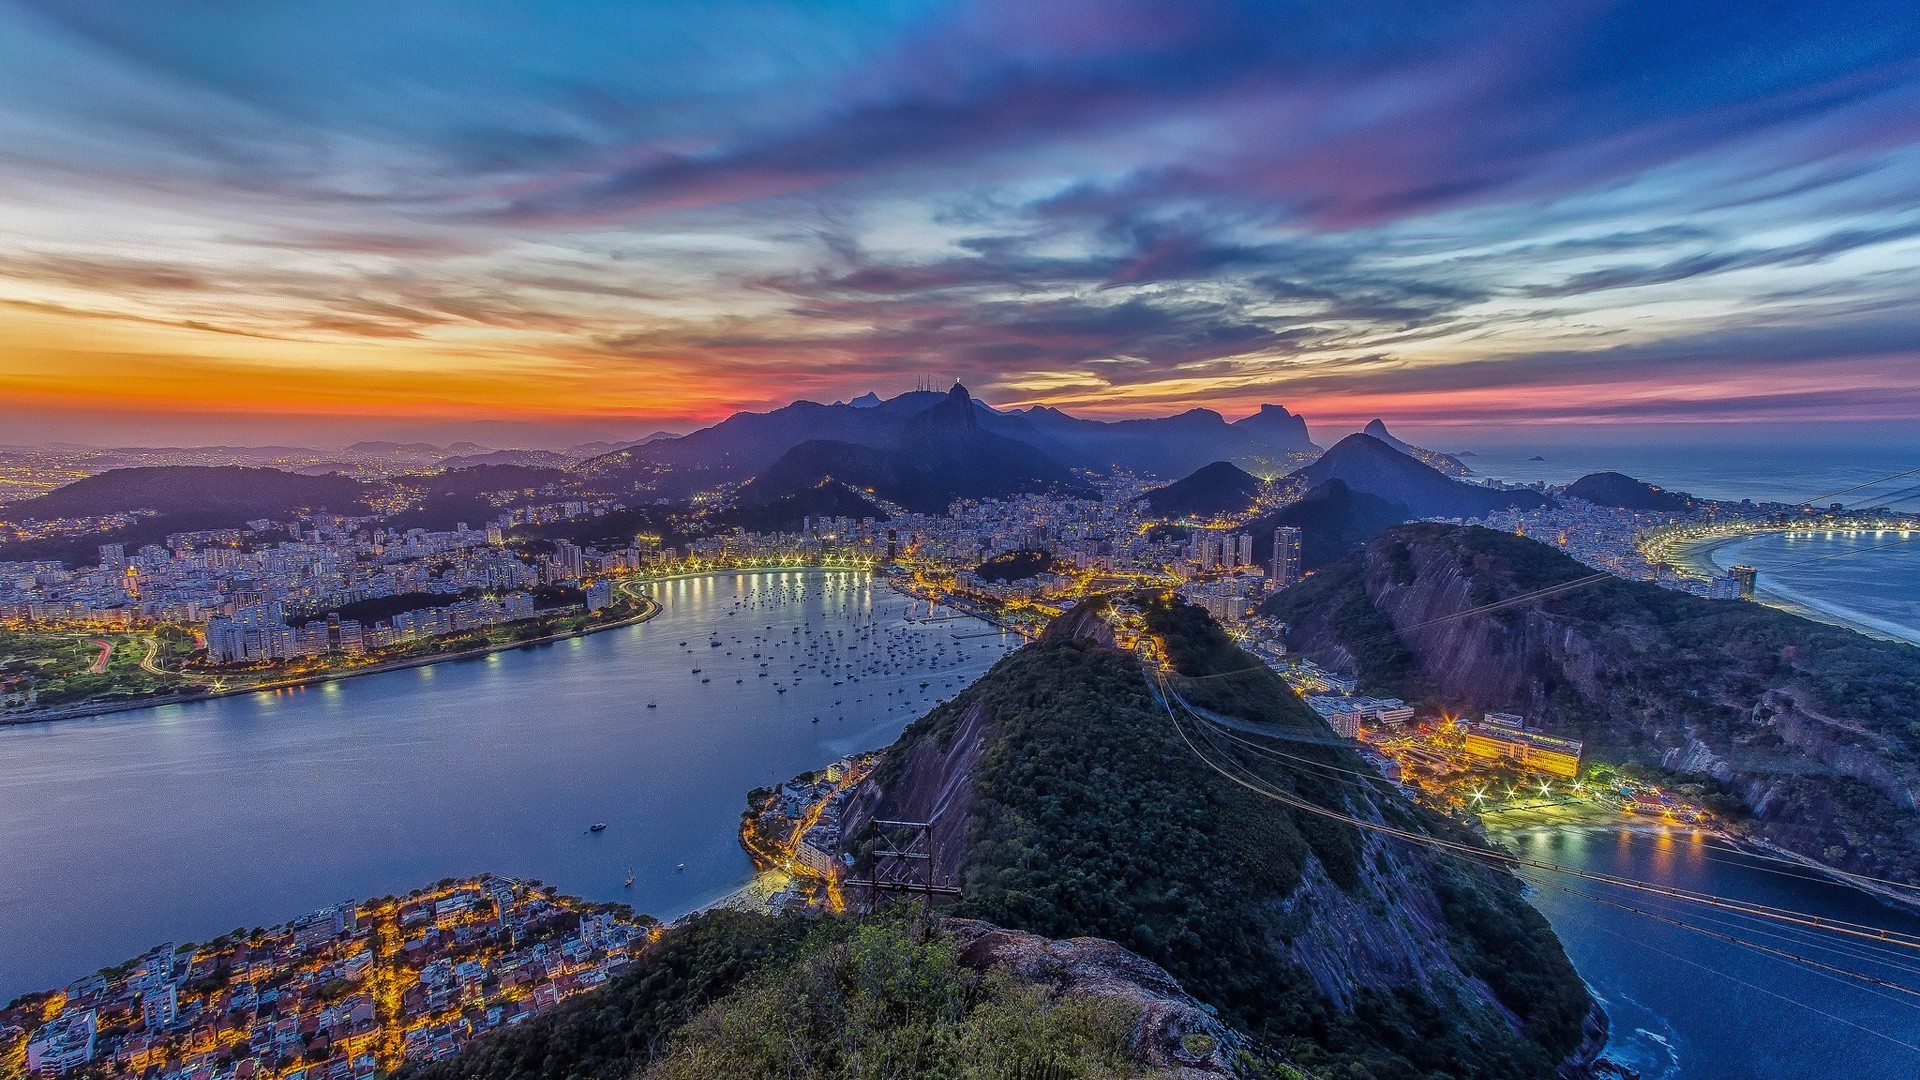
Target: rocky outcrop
[[1729, 693], [1341, 940], [930, 781], [1173, 1032]]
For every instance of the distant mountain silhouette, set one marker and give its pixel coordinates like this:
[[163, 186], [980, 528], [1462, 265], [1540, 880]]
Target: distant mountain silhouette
[[184, 498], [1209, 491], [934, 457], [1445, 463], [1160, 446], [1624, 492], [1333, 520], [224, 495], [385, 446], [747, 443], [546, 459], [1366, 464]]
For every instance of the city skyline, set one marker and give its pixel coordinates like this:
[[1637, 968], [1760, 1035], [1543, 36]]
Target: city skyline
[[605, 220]]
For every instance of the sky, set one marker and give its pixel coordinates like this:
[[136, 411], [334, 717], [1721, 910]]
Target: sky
[[280, 221]]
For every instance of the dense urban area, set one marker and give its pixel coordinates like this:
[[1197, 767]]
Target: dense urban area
[[348, 991], [116, 608]]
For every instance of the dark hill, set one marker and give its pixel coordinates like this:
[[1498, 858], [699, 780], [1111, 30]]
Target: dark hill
[[1445, 463], [1066, 802], [1160, 446], [771, 507], [747, 443], [938, 455], [1806, 727], [1016, 566], [1367, 464], [184, 498], [1214, 490], [218, 496], [1333, 520], [1624, 492]]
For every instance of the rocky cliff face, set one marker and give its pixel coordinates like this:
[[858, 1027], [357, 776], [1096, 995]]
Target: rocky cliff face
[[1336, 922], [1805, 725]]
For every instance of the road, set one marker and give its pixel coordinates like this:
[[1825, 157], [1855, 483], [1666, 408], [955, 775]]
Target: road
[[146, 662], [100, 663]]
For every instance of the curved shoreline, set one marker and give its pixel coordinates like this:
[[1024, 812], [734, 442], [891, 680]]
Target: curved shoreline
[[1696, 559], [1752, 847], [654, 607], [79, 712]]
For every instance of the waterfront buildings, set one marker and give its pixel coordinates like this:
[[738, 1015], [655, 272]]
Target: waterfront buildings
[[1506, 737]]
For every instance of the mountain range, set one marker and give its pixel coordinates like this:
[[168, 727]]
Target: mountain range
[[746, 444], [939, 454]]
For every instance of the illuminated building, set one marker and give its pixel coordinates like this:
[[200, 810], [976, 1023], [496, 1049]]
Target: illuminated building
[[1286, 557], [1497, 740]]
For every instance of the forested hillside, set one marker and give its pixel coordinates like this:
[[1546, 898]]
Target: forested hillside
[[1071, 806]]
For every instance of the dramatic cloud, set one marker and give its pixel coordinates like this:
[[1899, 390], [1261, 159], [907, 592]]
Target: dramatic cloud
[[1539, 209]]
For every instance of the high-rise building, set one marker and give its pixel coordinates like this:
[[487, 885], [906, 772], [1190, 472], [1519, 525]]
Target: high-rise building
[[1245, 543], [1736, 584], [570, 560], [113, 556], [1286, 556], [1206, 550]]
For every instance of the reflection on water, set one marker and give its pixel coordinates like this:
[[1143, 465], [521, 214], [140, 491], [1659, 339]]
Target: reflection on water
[[182, 822], [1868, 579], [1687, 1004]]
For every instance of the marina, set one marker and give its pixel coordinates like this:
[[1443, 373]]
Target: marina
[[247, 810]]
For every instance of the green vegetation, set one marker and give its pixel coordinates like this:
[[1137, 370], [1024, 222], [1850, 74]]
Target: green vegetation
[[743, 996], [1016, 565], [58, 666], [1091, 817], [619, 1029], [892, 1000]]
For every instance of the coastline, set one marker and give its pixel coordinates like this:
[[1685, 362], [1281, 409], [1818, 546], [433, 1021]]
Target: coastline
[[1696, 560], [1600, 818], [651, 608]]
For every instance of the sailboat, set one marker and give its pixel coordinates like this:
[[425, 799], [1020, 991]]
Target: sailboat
[[629, 881]]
